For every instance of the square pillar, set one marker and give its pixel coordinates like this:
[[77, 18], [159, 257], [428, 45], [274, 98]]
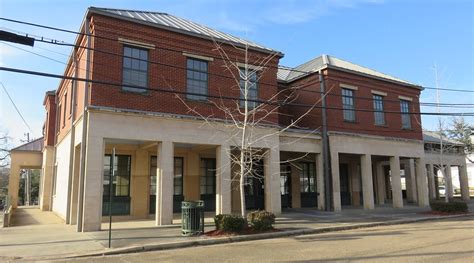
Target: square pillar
[[93, 184], [397, 196], [411, 181], [449, 182], [14, 182], [295, 186], [336, 185], [380, 184], [320, 181], [422, 183], [431, 182], [367, 184], [272, 180], [355, 183], [464, 182], [164, 183], [139, 183], [223, 180]]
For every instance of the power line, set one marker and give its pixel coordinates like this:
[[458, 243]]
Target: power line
[[219, 75], [175, 92], [16, 108], [111, 39], [115, 40]]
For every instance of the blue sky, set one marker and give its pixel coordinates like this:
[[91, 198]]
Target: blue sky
[[402, 38]]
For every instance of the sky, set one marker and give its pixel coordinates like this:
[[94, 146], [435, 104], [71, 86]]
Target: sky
[[407, 39]]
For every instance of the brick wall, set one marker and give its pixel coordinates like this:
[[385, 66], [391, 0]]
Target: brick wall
[[161, 75], [50, 120], [365, 121]]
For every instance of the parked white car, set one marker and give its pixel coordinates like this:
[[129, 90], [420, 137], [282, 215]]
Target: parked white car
[[442, 190]]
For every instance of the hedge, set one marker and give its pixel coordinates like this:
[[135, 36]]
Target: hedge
[[261, 220], [450, 207], [229, 223]]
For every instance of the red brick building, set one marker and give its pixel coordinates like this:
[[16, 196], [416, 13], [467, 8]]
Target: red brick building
[[165, 95]]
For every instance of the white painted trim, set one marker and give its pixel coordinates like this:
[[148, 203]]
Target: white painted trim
[[136, 43], [381, 93], [252, 67], [347, 86], [405, 98], [198, 56]]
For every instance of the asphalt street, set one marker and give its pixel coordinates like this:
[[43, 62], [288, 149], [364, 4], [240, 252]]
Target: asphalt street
[[449, 240]]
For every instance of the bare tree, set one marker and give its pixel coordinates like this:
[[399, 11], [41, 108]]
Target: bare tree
[[244, 118], [4, 152]]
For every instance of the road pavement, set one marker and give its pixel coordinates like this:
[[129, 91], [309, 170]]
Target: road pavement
[[449, 240]]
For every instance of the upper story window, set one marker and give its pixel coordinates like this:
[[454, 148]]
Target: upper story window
[[379, 114], [252, 88], [348, 104], [135, 69], [197, 79], [404, 109]]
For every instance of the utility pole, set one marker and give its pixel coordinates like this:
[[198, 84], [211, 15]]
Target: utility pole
[[327, 175]]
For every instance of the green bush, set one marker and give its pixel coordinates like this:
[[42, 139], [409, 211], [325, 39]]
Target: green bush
[[229, 223], [218, 221], [261, 220], [450, 207]]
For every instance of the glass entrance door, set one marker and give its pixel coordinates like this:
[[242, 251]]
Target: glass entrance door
[[285, 185]]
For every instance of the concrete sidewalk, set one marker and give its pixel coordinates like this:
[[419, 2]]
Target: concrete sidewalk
[[38, 238]]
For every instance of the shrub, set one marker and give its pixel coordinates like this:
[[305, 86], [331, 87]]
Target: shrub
[[229, 223], [261, 220], [218, 221], [450, 207]]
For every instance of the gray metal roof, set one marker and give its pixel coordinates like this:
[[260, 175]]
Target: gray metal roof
[[433, 137], [33, 146], [326, 61], [177, 24]]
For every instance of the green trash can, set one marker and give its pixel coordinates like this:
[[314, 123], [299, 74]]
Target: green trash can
[[192, 218]]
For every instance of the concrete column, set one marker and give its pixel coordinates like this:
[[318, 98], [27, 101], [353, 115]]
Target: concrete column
[[380, 183], [139, 184], [272, 180], [14, 183], [336, 185], [449, 182], [367, 184], [46, 178], [397, 196], [164, 183], [422, 183], [223, 180], [320, 181], [411, 186], [93, 184], [295, 186], [356, 184], [431, 182], [464, 182]]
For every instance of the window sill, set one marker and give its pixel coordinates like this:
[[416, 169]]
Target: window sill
[[145, 93], [381, 125], [206, 101], [407, 129], [351, 122]]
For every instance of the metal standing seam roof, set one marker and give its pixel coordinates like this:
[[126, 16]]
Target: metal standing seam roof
[[33, 146], [433, 137], [325, 61], [174, 23]]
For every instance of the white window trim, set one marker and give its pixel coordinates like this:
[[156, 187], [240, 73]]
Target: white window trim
[[405, 98], [380, 93], [197, 56], [249, 66], [136, 43], [347, 86]]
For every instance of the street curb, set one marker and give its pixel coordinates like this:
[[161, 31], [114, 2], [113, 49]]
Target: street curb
[[234, 239]]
